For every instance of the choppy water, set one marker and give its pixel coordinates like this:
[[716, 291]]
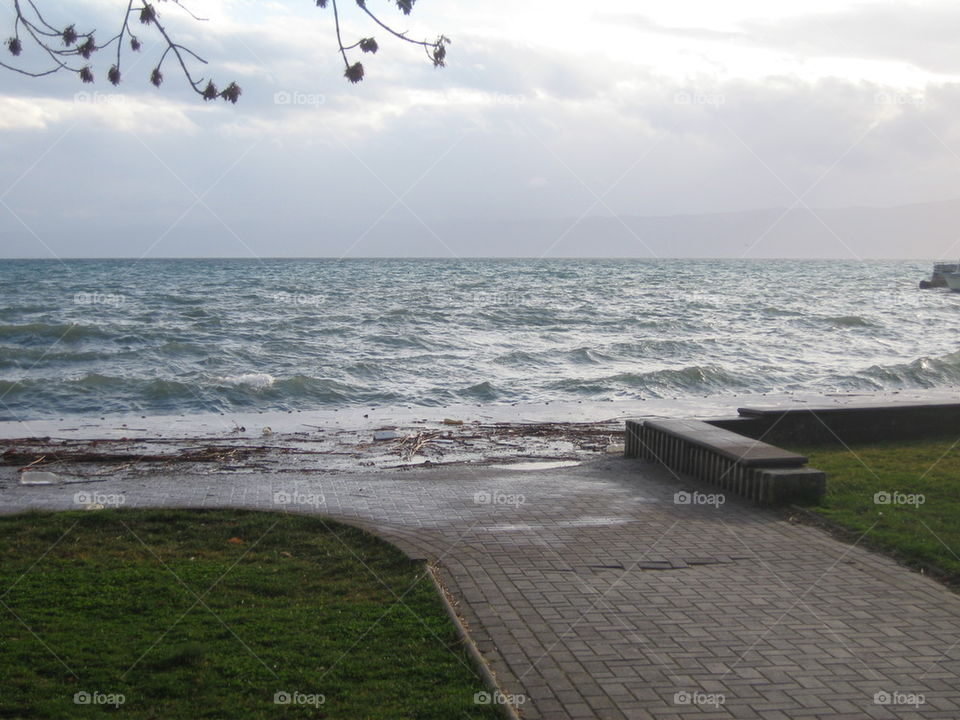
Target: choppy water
[[163, 336]]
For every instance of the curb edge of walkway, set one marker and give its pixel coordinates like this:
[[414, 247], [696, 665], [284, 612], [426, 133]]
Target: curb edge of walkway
[[806, 517], [480, 664]]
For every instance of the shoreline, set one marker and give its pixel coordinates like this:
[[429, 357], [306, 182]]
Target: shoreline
[[360, 440], [281, 422]]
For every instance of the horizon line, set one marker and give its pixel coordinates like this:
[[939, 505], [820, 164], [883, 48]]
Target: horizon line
[[470, 257]]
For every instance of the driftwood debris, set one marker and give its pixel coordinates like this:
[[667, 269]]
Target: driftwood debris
[[335, 450]]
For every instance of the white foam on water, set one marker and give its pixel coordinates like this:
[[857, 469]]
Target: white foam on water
[[367, 420], [254, 380]]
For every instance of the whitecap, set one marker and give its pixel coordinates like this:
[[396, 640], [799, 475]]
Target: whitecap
[[254, 380]]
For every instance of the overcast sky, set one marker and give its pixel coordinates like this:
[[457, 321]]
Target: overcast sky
[[548, 111]]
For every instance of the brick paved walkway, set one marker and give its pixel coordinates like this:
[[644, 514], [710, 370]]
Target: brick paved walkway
[[598, 597]]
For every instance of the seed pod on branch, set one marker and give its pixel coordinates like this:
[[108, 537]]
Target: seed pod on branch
[[354, 73], [231, 93], [88, 48]]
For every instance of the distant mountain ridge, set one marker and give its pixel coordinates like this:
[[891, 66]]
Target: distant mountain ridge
[[923, 230]]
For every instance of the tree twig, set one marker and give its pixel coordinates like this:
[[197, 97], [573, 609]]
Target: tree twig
[[68, 50]]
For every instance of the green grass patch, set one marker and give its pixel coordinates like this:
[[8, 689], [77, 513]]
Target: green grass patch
[[904, 495], [209, 614]]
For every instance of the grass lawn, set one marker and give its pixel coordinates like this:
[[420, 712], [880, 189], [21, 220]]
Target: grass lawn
[[906, 494], [211, 614]]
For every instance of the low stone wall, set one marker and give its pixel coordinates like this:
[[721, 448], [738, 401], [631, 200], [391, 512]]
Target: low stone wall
[[845, 425], [733, 463]]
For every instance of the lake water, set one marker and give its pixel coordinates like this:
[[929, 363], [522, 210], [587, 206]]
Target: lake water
[[95, 337]]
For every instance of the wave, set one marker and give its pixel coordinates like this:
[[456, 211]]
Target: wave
[[42, 331], [168, 393], [417, 342], [658, 383], [924, 372], [95, 381], [534, 317], [587, 356], [98, 394], [25, 357], [484, 392], [257, 381], [196, 313], [520, 359], [660, 348], [848, 321], [182, 299], [174, 348]]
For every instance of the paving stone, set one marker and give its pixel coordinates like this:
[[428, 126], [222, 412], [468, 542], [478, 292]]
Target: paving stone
[[600, 598]]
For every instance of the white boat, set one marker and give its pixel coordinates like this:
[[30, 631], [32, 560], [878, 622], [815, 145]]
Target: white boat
[[938, 278], [953, 280]]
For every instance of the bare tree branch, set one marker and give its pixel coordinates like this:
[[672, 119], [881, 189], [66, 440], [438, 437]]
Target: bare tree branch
[[64, 49], [354, 72], [436, 50]]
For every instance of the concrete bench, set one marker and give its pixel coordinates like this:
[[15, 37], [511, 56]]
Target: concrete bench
[[734, 463]]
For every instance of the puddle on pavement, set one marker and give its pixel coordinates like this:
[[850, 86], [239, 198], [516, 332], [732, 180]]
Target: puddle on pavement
[[595, 521], [509, 528], [538, 465], [589, 521]]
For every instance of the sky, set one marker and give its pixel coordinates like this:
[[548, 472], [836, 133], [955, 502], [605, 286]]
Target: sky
[[550, 115]]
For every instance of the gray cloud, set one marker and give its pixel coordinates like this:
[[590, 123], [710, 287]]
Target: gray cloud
[[510, 136], [924, 35]]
